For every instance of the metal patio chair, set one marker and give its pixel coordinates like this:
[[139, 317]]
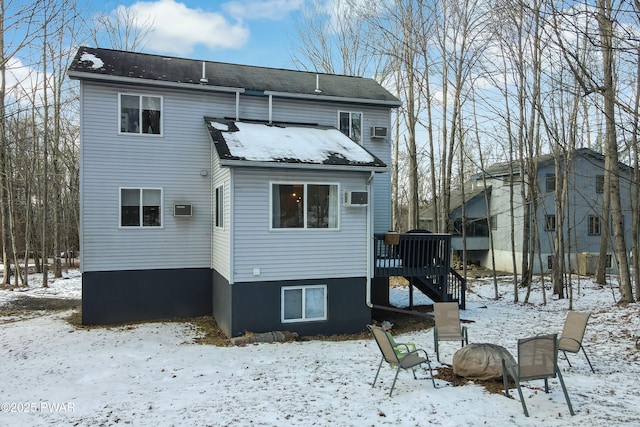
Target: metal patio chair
[[409, 360], [572, 334], [537, 359], [448, 326]]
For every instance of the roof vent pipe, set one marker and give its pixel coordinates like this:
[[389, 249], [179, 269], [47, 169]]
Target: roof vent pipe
[[317, 84], [204, 80]]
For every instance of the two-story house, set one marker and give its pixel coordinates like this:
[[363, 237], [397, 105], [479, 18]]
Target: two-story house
[[582, 217], [245, 192]]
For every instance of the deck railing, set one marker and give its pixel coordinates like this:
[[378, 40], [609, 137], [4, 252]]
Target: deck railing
[[426, 256]]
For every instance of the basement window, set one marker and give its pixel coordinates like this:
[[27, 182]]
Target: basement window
[[304, 303]]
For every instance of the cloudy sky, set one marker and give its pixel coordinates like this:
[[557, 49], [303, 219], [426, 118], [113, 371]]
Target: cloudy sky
[[256, 32]]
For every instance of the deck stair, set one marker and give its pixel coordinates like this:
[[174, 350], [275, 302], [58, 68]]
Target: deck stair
[[424, 259]]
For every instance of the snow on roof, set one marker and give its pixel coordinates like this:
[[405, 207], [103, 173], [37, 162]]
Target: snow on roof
[[95, 61], [292, 144]]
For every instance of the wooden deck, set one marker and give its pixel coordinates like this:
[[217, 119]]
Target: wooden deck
[[425, 260]]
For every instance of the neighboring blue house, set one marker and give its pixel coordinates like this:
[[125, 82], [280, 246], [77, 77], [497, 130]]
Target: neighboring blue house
[[244, 192], [583, 220]]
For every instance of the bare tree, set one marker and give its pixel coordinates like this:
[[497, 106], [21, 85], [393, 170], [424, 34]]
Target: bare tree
[[605, 24], [120, 29]]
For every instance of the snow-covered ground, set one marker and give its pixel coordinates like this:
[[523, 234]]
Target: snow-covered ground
[[52, 373]]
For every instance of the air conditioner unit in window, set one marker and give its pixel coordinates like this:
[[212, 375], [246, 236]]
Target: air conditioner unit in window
[[182, 209], [356, 198], [378, 132]]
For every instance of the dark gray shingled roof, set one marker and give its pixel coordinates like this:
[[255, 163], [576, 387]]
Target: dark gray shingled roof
[[157, 69]]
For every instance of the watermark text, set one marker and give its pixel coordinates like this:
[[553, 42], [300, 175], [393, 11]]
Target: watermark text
[[18, 407]]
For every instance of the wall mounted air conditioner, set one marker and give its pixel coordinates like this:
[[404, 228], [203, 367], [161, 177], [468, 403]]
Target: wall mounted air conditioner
[[356, 198], [182, 209], [378, 132]]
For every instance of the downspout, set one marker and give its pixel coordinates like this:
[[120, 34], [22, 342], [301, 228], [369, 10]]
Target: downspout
[[270, 109], [369, 240]]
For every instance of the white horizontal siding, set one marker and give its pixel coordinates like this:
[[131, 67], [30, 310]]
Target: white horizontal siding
[[221, 246], [174, 163], [294, 254]]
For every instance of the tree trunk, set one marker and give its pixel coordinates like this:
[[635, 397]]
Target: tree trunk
[[611, 150]]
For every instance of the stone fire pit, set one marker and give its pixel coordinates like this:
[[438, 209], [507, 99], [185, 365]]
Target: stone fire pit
[[480, 361]]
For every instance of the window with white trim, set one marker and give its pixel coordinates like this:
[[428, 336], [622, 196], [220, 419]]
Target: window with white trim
[[304, 206], [140, 114], [219, 221], [351, 125], [303, 303], [140, 207]]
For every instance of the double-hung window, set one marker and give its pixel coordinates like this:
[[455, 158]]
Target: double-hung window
[[140, 207], [304, 303], [304, 206], [140, 114], [351, 125]]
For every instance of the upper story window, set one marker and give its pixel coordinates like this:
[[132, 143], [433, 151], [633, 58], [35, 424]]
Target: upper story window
[[140, 207], [599, 183], [140, 114], [304, 206], [550, 183], [351, 125], [550, 222], [594, 225]]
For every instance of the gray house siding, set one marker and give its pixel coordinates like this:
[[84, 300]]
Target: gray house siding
[[221, 236], [584, 201], [172, 162], [292, 254]]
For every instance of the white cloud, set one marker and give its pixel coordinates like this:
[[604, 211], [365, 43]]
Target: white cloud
[[178, 29], [256, 9]]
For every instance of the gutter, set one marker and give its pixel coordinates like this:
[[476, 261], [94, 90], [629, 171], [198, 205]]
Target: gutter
[[333, 98], [289, 165], [80, 75]]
